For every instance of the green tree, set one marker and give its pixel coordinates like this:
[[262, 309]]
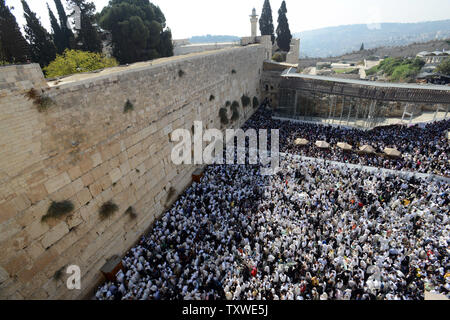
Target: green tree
[[13, 45], [362, 47], [67, 37], [58, 35], [284, 35], [266, 21], [444, 67], [88, 37], [138, 30], [42, 48], [165, 45], [76, 61]]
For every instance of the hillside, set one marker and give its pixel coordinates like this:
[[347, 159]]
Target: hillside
[[400, 51], [335, 41]]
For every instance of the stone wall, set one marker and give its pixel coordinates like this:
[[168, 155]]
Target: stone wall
[[293, 55], [85, 149], [201, 47]]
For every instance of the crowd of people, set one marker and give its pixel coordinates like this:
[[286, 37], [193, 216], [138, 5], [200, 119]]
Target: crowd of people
[[314, 230], [424, 149]]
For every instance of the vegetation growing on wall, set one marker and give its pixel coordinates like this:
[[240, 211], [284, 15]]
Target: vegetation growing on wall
[[233, 71], [211, 97], [255, 102], [128, 107], [58, 273], [40, 100], [76, 61], [58, 209], [245, 100], [131, 212], [223, 116], [235, 111], [108, 209], [181, 73]]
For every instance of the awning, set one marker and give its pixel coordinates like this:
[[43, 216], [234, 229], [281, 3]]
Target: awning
[[392, 152], [344, 146], [322, 144], [301, 142], [367, 149]]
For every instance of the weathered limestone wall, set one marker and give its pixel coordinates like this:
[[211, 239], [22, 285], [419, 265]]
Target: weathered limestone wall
[[87, 150], [201, 47], [294, 53]]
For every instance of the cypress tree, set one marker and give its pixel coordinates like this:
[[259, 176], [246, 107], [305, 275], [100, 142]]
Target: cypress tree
[[362, 47], [58, 36], [42, 48], [67, 35], [266, 21], [284, 35], [88, 37], [14, 46]]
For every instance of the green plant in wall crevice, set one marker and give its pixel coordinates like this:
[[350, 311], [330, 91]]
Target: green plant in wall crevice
[[58, 209], [245, 100], [223, 116], [128, 106], [107, 209], [255, 102]]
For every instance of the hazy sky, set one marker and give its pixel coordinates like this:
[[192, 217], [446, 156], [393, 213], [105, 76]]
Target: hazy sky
[[188, 18]]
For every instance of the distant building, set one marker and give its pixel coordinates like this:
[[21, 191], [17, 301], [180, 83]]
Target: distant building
[[435, 57]]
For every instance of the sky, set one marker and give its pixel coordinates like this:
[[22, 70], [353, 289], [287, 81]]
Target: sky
[[188, 18]]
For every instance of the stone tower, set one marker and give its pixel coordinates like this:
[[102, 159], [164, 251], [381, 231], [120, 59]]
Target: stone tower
[[254, 22]]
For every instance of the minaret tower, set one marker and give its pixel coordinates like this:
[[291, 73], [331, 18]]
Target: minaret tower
[[254, 21]]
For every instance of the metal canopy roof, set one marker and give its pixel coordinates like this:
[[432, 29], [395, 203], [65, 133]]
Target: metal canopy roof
[[386, 91]]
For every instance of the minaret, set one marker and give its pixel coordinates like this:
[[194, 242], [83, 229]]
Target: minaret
[[254, 21]]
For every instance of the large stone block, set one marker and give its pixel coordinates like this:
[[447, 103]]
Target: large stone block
[[56, 183], [55, 234]]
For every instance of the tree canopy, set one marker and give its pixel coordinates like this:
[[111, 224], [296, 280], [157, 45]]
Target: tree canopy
[[444, 67], [398, 69], [14, 48], [138, 30], [284, 35], [42, 48], [266, 21], [76, 61], [88, 37], [67, 37]]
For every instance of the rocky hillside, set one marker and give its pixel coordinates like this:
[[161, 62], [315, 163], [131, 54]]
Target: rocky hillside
[[335, 41]]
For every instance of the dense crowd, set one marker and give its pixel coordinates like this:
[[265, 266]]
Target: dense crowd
[[314, 230], [425, 150]]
